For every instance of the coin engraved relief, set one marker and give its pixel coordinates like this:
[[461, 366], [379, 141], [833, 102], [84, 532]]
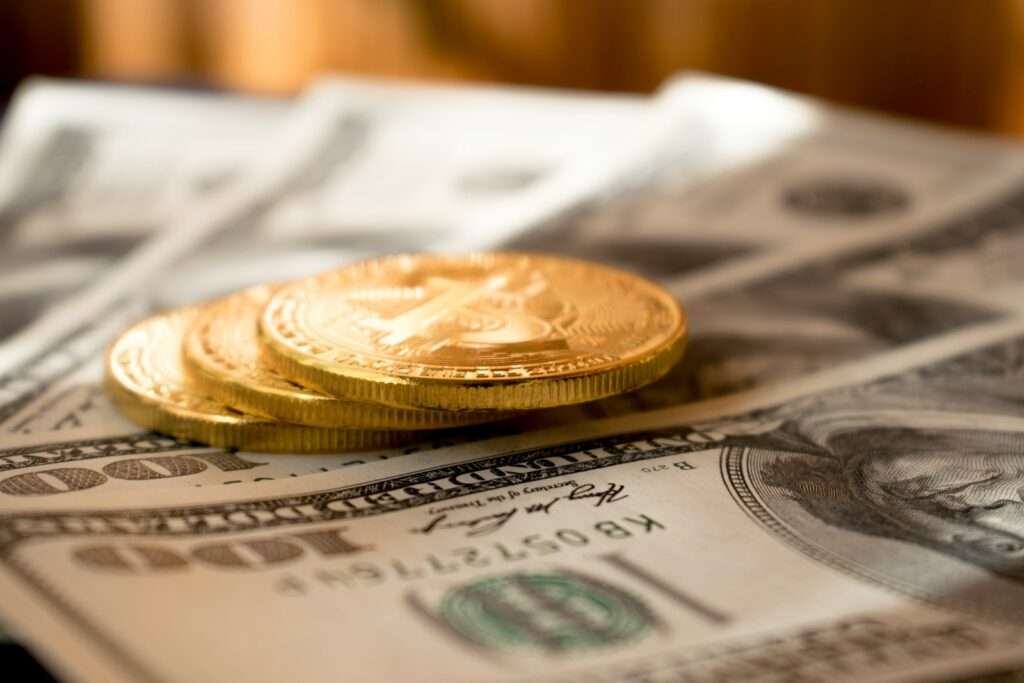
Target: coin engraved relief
[[486, 319], [222, 353], [146, 381]]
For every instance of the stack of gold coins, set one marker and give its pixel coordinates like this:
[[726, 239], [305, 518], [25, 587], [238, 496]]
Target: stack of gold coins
[[378, 353]]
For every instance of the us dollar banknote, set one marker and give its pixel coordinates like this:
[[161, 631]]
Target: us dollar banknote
[[88, 171], [471, 166], [725, 185], [104, 455], [841, 236], [863, 523]]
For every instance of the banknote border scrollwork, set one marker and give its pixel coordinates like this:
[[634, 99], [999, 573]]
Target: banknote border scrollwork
[[538, 463], [74, 450]]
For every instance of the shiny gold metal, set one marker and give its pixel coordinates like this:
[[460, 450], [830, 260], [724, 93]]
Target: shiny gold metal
[[223, 356], [145, 380], [496, 331]]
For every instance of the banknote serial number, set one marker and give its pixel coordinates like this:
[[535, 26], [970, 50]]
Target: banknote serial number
[[362, 574]]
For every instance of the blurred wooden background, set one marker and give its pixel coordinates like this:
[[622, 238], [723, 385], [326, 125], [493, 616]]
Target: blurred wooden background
[[955, 61]]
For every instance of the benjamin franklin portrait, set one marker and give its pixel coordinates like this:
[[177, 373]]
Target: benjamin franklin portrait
[[916, 482]]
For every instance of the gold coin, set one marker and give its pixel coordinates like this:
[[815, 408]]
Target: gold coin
[[222, 354], [146, 381], [500, 331]]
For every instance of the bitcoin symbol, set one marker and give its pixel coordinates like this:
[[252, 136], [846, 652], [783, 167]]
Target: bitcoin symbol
[[515, 328], [487, 331]]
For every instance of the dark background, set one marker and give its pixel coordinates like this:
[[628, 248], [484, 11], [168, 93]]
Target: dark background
[[954, 61]]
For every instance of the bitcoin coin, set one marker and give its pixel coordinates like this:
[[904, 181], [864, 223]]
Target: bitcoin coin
[[147, 383], [223, 356], [486, 331]]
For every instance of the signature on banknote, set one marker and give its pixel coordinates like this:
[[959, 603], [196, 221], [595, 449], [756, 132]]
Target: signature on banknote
[[488, 524]]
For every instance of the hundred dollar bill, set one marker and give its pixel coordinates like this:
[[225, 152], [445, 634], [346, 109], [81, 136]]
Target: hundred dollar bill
[[437, 168], [785, 267], [88, 171], [863, 523], [459, 157], [727, 184]]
